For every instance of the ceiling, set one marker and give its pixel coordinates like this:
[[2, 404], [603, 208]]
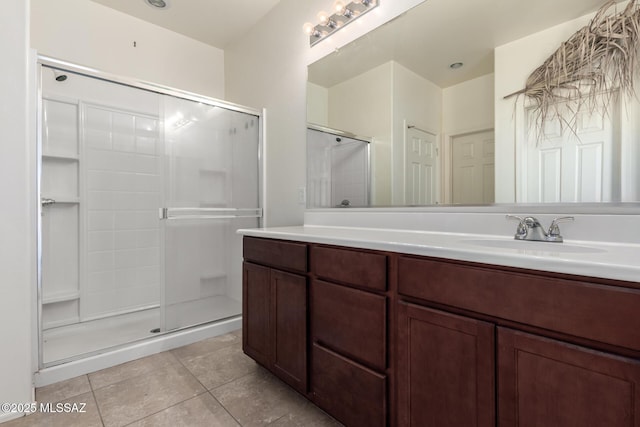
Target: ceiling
[[427, 39], [437, 33], [214, 22]]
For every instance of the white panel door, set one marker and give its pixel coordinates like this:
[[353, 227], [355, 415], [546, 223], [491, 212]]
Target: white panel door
[[473, 166], [563, 166], [422, 170]]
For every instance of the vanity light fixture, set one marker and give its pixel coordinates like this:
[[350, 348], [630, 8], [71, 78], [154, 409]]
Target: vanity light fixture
[[343, 13]]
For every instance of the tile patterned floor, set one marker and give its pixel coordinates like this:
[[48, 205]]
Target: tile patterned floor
[[209, 383]]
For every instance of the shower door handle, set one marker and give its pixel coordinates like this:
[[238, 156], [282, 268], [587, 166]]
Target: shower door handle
[[46, 202]]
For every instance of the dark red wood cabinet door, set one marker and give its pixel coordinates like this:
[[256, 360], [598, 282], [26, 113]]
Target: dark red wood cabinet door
[[290, 328], [445, 369], [354, 394], [351, 322], [256, 308], [544, 382]]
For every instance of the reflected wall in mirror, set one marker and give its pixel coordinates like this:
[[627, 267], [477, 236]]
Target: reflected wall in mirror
[[443, 134]]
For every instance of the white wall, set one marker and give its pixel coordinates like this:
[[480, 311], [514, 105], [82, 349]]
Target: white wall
[[468, 106], [317, 105], [90, 34], [267, 68], [363, 105], [17, 171]]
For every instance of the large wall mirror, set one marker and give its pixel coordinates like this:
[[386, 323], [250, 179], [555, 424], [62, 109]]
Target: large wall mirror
[[426, 91]]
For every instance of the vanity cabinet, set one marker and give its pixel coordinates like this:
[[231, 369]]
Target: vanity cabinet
[[348, 306], [385, 339], [275, 308], [540, 371]]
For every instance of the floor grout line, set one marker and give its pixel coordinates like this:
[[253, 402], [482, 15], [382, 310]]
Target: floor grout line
[[95, 399], [168, 407], [177, 362], [131, 377], [191, 373], [235, 379], [225, 408]]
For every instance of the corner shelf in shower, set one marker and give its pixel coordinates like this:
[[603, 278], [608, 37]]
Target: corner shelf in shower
[[60, 156], [61, 297], [215, 183]]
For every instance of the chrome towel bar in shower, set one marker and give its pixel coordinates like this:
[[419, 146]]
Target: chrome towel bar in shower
[[208, 213]]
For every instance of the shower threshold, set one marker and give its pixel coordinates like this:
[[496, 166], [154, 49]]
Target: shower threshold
[[67, 342], [70, 341]]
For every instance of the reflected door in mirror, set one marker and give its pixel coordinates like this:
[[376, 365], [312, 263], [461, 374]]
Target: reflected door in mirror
[[422, 171], [563, 166], [473, 170]]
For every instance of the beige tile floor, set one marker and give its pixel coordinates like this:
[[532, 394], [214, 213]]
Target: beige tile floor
[[208, 383]]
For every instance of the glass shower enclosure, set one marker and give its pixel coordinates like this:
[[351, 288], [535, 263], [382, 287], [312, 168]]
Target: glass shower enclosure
[[338, 168], [142, 189]]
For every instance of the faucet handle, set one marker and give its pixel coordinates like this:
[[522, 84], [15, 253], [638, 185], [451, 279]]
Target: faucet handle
[[521, 231], [554, 230]]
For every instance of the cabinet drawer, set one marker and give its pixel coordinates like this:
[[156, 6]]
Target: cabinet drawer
[[275, 253], [608, 314], [363, 269], [353, 394], [350, 321]]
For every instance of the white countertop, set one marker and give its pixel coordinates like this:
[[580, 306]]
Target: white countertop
[[619, 261]]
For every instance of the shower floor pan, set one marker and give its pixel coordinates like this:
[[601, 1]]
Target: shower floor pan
[[67, 342]]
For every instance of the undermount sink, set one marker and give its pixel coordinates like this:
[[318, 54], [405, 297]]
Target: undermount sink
[[533, 246]]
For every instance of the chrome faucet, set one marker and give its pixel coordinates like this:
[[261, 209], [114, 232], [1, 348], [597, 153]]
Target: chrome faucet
[[529, 228]]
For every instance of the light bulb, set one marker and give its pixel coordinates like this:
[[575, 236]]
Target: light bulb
[[308, 28], [339, 7], [323, 18]]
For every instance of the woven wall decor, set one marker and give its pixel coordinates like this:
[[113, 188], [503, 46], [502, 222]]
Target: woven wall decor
[[588, 70]]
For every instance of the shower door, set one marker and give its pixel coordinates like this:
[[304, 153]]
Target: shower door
[[338, 172], [211, 190], [142, 193]]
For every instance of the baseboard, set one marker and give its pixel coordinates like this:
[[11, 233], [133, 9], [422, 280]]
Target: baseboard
[[8, 416]]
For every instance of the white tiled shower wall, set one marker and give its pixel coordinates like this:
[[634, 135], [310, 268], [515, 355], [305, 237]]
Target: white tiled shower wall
[[123, 196], [105, 246]]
